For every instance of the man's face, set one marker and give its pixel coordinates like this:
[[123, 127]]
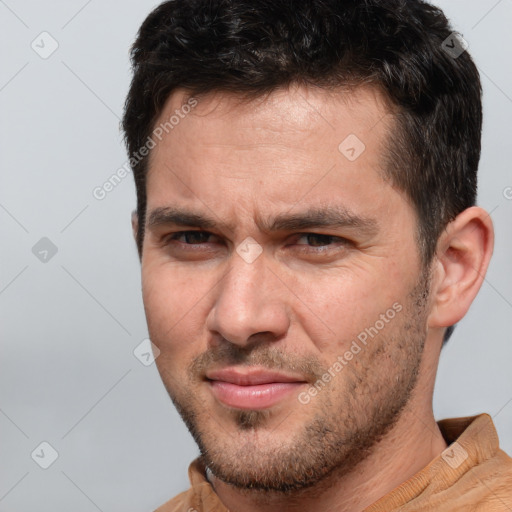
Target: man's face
[[246, 328]]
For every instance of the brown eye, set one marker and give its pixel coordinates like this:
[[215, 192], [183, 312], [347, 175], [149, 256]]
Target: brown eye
[[191, 237], [316, 240]]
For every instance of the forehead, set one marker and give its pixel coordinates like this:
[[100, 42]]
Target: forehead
[[292, 145], [288, 115]]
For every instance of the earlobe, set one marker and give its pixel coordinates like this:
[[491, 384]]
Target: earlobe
[[464, 250]]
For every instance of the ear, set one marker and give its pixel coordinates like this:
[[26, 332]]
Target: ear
[[135, 224], [463, 253]]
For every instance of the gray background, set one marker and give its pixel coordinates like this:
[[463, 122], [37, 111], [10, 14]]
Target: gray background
[[69, 325]]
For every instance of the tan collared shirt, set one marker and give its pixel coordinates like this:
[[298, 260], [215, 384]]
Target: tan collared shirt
[[471, 475]]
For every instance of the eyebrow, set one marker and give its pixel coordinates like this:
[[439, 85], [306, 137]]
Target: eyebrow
[[327, 217]]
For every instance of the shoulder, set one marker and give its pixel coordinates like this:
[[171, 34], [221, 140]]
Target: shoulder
[[492, 484], [180, 503]]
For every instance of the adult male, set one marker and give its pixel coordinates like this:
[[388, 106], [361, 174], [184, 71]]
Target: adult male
[[306, 181]]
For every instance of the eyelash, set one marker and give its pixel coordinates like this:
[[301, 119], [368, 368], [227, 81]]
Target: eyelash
[[319, 249]]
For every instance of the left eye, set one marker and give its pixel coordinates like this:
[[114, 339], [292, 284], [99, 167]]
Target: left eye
[[319, 240]]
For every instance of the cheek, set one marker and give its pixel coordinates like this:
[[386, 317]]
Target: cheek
[[174, 302], [340, 306]]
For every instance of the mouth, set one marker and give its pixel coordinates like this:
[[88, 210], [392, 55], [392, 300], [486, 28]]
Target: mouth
[[252, 388]]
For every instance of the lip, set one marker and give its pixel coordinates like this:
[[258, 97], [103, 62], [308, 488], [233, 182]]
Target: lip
[[252, 389], [251, 376]]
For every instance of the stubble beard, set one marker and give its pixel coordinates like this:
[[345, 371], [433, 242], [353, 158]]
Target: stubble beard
[[346, 427]]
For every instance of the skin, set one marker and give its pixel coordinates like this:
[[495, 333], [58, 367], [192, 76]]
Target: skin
[[304, 300]]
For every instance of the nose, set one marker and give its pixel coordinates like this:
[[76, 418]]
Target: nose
[[250, 304]]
